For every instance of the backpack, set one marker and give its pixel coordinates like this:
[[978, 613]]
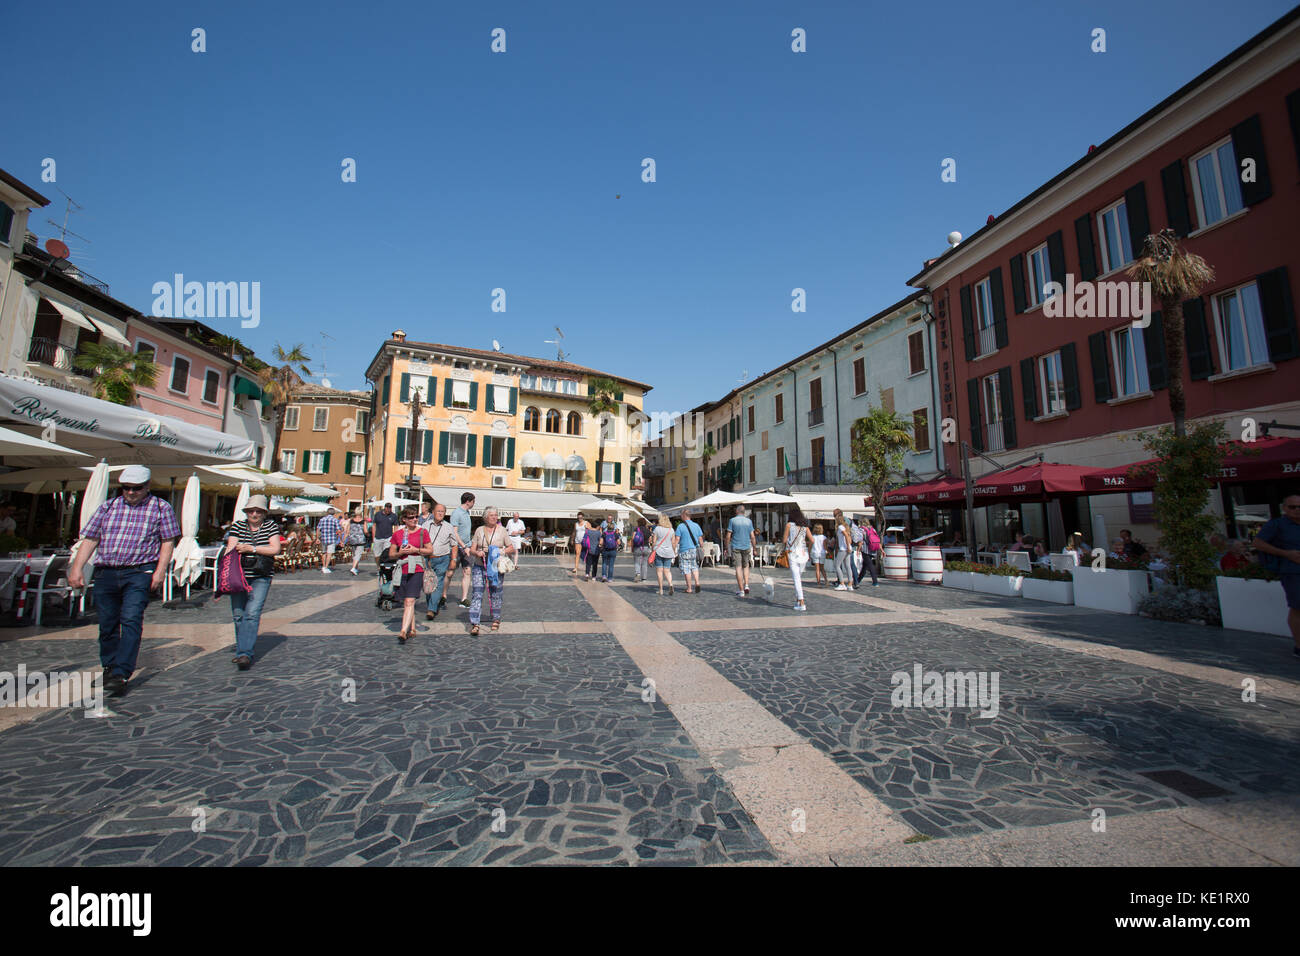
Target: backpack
[[609, 541], [638, 538], [857, 533]]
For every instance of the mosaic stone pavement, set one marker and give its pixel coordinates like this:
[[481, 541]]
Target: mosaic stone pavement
[[541, 745]]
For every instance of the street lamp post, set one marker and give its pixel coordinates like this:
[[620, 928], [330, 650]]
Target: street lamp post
[[413, 443]]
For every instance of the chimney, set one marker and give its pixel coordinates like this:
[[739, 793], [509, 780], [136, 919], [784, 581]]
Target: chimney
[[399, 335]]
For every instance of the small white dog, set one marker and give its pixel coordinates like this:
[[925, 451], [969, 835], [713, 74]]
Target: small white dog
[[769, 588]]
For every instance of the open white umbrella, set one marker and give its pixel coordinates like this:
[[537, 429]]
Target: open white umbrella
[[16, 443], [240, 501], [187, 559]]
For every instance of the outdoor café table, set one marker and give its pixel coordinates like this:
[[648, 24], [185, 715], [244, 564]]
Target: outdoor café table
[[990, 557], [954, 553], [11, 576]]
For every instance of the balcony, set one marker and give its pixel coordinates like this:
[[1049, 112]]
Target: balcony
[[50, 352], [986, 342], [816, 416], [993, 438], [820, 475]]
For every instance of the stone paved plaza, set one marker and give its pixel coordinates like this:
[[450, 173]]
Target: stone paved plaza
[[607, 724]]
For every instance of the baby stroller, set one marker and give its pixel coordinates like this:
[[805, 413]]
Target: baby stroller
[[390, 576]]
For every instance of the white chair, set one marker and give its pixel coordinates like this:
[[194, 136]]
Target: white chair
[[1064, 562], [53, 580], [1019, 559]]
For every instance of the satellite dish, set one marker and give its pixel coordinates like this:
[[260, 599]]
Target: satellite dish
[[496, 346], [326, 383], [57, 248]]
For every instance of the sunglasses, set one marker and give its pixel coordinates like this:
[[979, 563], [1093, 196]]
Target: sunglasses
[[134, 487]]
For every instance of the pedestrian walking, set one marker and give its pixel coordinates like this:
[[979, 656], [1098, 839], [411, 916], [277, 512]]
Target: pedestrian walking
[[330, 532], [819, 555], [381, 528], [665, 545], [445, 545], [460, 520], [354, 538], [689, 537], [579, 532], [407, 545], [740, 542], [796, 541], [641, 550], [257, 539], [843, 546], [591, 551], [611, 540], [134, 534], [515, 527], [870, 552], [489, 544]]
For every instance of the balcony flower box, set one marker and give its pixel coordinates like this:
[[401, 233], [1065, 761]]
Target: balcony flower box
[[1258, 606], [1109, 589]]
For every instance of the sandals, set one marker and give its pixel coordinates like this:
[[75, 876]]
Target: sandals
[[496, 625], [473, 631]]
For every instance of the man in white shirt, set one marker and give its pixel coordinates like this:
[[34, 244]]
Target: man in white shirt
[[515, 530]]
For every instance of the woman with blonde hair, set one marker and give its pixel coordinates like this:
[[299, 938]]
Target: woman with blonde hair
[[665, 549], [843, 553], [488, 544]]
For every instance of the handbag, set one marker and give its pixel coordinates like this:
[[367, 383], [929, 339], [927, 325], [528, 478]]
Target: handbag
[[230, 574]]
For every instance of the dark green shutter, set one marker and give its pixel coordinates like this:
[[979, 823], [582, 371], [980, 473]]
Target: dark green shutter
[[1248, 143], [487, 450], [473, 395], [967, 323], [1100, 367], [446, 393], [1027, 387], [405, 393], [427, 455], [1176, 209], [1056, 256], [1007, 398], [631, 471], [347, 463], [514, 402], [327, 463], [431, 391], [1019, 302], [973, 397], [1070, 376], [442, 448], [1279, 314], [470, 446], [1139, 225], [1293, 114], [1200, 361], [618, 472], [1153, 340], [401, 444], [388, 380], [999, 309], [1087, 248], [510, 453]]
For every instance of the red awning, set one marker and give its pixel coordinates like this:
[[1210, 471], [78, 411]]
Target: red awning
[[939, 491], [1032, 481], [1265, 459], [1121, 479]]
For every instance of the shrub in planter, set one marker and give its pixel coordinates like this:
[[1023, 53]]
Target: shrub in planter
[[968, 566], [1048, 574], [1173, 603], [1251, 572], [11, 542]]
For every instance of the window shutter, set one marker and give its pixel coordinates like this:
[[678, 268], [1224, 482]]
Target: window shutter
[[446, 392], [1056, 256], [1100, 367], [1248, 143], [1153, 339], [388, 380], [1293, 114], [514, 402], [427, 455], [374, 404], [1027, 386], [442, 448], [510, 452], [404, 394], [1070, 373], [347, 463], [999, 309], [1199, 359], [976, 429], [431, 391], [1007, 398], [1139, 224], [326, 469], [1087, 248], [487, 450], [473, 395], [967, 323], [631, 475], [1279, 314], [1019, 301], [470, 446], [1176, 208], [401, 444], [618, 472]]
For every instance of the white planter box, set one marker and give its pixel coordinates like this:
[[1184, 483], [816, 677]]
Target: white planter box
[[1253, 605], [999, 584], [1109, 590], [1058, 592], [960, 579]]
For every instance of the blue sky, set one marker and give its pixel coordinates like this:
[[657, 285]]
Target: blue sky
[[478, 171]]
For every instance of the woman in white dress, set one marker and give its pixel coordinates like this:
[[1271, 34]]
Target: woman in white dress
[[797, 541], [819, 554]]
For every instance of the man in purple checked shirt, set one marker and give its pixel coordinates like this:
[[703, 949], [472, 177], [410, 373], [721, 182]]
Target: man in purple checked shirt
[[134, 535]]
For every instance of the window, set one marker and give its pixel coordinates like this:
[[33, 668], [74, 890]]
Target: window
[[916, 352], [780, 407], [672, 486], [780, 462], [1051, 388], [859, 376], [288, 460], [1239, 322], [363, 422], [496, 452], [574, 424], [358, 461], [921, 429], [534, 474], [985, 339], [499, 398], [457, 449], [552, 479], [316, 462], [992, 414], [460, 394], [751, 418], [1130, 352], [752, 478], [180, 375], [815, 394], [532, 419], [552, 421], [146, 349], [1116, 245], [291, 418], [1215, 183], [6, 222], [607, 472], [1038, 271], [764, 441], [211, 382], [320, 418], [699, 481]]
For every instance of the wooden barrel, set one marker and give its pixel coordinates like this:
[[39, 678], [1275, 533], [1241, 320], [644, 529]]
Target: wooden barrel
[[927, 564], [896, 562]]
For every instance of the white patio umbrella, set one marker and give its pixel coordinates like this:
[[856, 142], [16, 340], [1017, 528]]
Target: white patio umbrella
[[16, 443], [187, 559], [240, 501], [95, 495]]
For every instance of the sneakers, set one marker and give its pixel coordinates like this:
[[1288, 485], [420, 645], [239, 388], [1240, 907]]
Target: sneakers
[[354, 570], [326, 571], [840, 587], [801, 607], [464, 603], [746, 592], [442, 603], [740, 593]]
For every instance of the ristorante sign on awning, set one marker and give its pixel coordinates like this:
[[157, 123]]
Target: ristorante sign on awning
[[120, 433], [1265, 459]]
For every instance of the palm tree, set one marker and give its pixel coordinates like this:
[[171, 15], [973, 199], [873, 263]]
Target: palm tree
[[117, 372], [600, 402], [705, 455], [880, 440], [281, 385], [1175, 276]]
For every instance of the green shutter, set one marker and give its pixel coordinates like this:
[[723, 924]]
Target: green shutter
[[347, 463], [631, 475], [388, 380], [470, 446], [618, 472], [487, 450], [405, 394], [428, 448], [442, 448], [446, 393], [401, 444], [473, 395], [327, 463], [510, 446], [431, 391], [514, 402]]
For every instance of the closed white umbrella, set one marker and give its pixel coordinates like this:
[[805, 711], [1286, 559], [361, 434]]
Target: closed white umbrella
[[240, 501], [96, 494], [187, 559]]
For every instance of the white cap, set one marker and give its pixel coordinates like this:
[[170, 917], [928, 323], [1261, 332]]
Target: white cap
[[134, 475]]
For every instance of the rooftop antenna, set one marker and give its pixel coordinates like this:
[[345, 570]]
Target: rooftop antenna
[[64, 231], [744, 377], [557, 342], [324, 369]]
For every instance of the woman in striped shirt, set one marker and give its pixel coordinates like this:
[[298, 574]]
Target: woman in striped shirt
[[257, 540]]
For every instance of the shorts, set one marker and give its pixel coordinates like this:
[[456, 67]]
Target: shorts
[[689, 560], [412, 586], [1291, 585], [742, 558], [329, 549]]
